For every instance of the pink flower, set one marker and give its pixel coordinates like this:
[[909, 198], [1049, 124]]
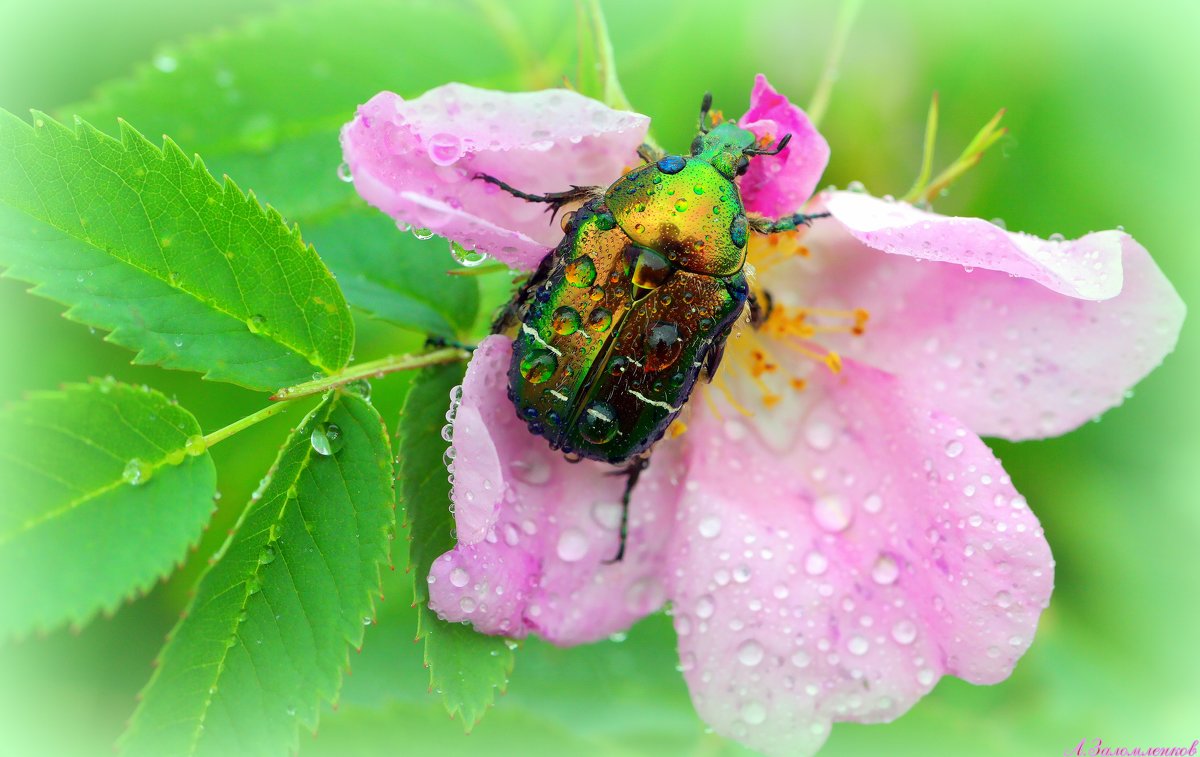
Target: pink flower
[[831, 541]]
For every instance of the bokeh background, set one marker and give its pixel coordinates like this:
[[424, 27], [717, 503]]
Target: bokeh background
[[1105, 131]]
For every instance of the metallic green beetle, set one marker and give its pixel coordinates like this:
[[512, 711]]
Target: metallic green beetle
[[621, 318]]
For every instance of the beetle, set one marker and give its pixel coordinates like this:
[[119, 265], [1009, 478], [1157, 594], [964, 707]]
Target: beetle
[[618, 322]]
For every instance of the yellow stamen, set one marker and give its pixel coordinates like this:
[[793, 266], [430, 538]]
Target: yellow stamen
[[677, 429]]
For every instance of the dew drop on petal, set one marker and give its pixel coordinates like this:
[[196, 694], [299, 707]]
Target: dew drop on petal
[[801, 659], [459, 577], [819, 435], [750, 653], [710, 527], [705, 607], [925, 677], [858, 645], [572, 545], [885, 571], [832, 513], [954, 448], [607, 515], [904, 632], [815, 564], [753, 712]]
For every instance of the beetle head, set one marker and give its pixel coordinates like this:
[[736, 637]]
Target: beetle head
[[727, 146]]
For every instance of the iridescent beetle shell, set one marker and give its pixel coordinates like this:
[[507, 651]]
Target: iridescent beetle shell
[[634, 303]]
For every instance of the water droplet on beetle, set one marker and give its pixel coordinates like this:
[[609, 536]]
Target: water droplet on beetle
[[581, 272], [538, 366], [598, 423], [565, 320]]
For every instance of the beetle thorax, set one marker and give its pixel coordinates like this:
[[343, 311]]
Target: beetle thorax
[[686, 210]]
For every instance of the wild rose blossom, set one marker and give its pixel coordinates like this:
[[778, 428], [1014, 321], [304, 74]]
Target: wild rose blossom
[[830, 532]]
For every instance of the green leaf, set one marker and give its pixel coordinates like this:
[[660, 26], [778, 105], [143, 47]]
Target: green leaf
[[106, 485], [276, 127], [143, 242], [466, 667], [393, 276], [267, 635]]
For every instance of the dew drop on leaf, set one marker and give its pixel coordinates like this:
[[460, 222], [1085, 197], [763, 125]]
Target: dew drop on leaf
[[327, 439]]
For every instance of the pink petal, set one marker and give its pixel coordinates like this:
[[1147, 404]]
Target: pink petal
[[414, 161], [840, 580], [540, 528], [777, 185], [1088, 268], [1007, 356]]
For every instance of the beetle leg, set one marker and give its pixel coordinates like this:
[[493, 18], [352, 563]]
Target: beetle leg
[[441, 341], [510, 315], [556, 200], [633, 472], [761, 304], [650, 154], [787, 223]]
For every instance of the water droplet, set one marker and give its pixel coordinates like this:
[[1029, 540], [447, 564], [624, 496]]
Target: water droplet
[[343, 172], [819, 435], [267, 556], [925, 677], [954, 448], [466, 258], [422, 233], [750, 653], [598, 423], [467, 604], [607, 515], [742, 573], [815, 564], [256, 324], [801, 659], [904, 632], [137, 472], [195, 445], [885, 571], [327, 439], [873, 503], [681, 205], [565, 320], [753, 713], [710, 527], [572, 545], [444, 149], [705, 607], [534, 469], [1003, 600], [858, 645], [672, 164], [538, 366], [663, 346], [599, 320], [581, 272], [165, 63], [832, 513], [459, 577]]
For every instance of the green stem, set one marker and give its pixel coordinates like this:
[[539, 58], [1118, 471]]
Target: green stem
[[820, 100], [373, 369], [224, 433]]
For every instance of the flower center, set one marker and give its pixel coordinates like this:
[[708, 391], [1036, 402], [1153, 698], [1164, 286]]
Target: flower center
[[761, 356]]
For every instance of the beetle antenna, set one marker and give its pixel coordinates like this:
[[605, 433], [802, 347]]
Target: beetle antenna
[[705, 106], [778, 147]]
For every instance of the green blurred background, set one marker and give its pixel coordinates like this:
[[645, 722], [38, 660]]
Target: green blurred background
[[1105, 127]]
